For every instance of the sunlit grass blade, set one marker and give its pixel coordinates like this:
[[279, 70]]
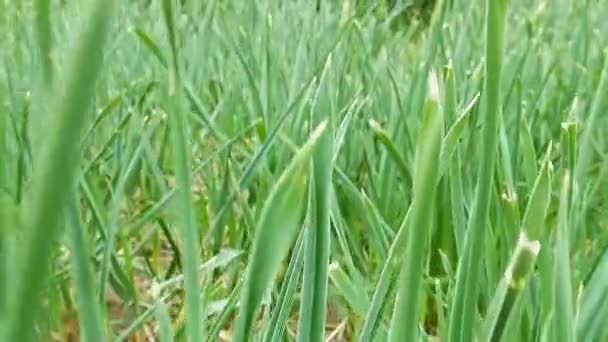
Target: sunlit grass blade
[[275, 231], [57, 170], [406, 315], [464, 305]]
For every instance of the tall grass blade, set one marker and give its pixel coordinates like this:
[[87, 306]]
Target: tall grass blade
[[313, 309], [406, 315], [564, 311], [464, 306], [183, 175], [57, 169]]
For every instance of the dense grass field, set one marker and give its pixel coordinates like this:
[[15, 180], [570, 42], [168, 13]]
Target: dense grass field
[[269, 171]]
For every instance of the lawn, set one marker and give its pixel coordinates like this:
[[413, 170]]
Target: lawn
[[266, 170]]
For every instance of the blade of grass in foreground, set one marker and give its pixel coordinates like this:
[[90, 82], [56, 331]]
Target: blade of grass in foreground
[[404, 325], [183, 177], [463, 311], [57, 169], [275, 233]]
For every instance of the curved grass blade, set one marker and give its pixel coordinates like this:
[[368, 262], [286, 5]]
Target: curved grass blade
[[275, 232], [393, 151], [57, 170]]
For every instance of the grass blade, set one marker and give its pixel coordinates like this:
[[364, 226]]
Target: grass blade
[[383, 285], [313, 310], [406, 315], [510, 288], [564, 312], [463, 310], [278, 319], [90, 315], [57, 170], [276, 227], [183, 174], [590, 323], [44, 31], [162, 314]]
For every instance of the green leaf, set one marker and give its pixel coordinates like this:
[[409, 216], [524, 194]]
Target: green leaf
[[275, 231]]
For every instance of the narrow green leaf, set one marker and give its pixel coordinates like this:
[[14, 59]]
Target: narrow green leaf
[[162, 315], [591, 320], [313, 309], [533, 222], [275, 232], [564, 313], [44, 34], [90, 315], [464, 305], [58, 169], [406, 315], [278, 320]]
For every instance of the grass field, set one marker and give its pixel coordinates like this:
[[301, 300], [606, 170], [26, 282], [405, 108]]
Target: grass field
[[266, 171]]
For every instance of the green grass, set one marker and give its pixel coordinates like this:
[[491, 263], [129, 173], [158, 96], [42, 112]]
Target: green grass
[[261, 170]]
